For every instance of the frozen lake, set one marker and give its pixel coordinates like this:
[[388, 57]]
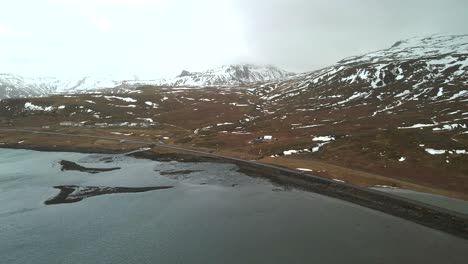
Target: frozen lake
[[213, 214]]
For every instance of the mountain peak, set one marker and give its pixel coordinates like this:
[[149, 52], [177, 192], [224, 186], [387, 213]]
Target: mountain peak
[[184, 73], [228, 75]]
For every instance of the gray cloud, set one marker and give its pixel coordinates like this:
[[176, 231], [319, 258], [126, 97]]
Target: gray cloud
[[303, 34], [155, 38]]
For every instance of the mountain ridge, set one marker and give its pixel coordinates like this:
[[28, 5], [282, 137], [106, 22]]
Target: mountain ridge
[[226, 75], [16, 86], [418, 62], [414, 63]]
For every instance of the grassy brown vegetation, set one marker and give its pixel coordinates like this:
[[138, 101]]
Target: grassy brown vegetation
[[366, 151]]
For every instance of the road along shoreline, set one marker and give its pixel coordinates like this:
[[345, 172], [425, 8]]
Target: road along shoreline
[[430, 216]]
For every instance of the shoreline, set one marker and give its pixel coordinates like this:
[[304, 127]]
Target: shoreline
[[430, 216]]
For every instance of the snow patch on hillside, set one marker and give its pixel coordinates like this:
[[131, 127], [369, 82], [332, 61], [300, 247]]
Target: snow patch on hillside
[[31, 107]]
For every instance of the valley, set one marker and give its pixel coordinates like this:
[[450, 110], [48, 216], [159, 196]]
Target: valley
[[396, 117]]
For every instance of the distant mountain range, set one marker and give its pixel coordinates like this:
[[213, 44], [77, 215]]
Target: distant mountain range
[[435, 63], [15, 86]]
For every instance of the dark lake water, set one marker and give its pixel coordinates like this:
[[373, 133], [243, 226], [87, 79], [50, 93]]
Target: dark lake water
[[213, 215], [452, 204]]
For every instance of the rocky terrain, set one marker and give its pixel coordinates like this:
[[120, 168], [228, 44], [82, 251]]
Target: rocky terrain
[[395, 117]]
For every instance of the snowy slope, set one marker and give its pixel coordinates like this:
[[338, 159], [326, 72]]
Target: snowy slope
[[415, 48], [420, 83], [419, 65]]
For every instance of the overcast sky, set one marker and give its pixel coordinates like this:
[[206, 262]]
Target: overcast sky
[[159, 38]]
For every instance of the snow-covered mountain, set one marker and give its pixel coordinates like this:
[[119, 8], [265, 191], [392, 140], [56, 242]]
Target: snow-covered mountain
[[228, 75], [416, 83], [15, 86], [412, 69], [420, 67]]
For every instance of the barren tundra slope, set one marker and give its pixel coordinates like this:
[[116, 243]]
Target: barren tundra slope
[[393, 117]]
